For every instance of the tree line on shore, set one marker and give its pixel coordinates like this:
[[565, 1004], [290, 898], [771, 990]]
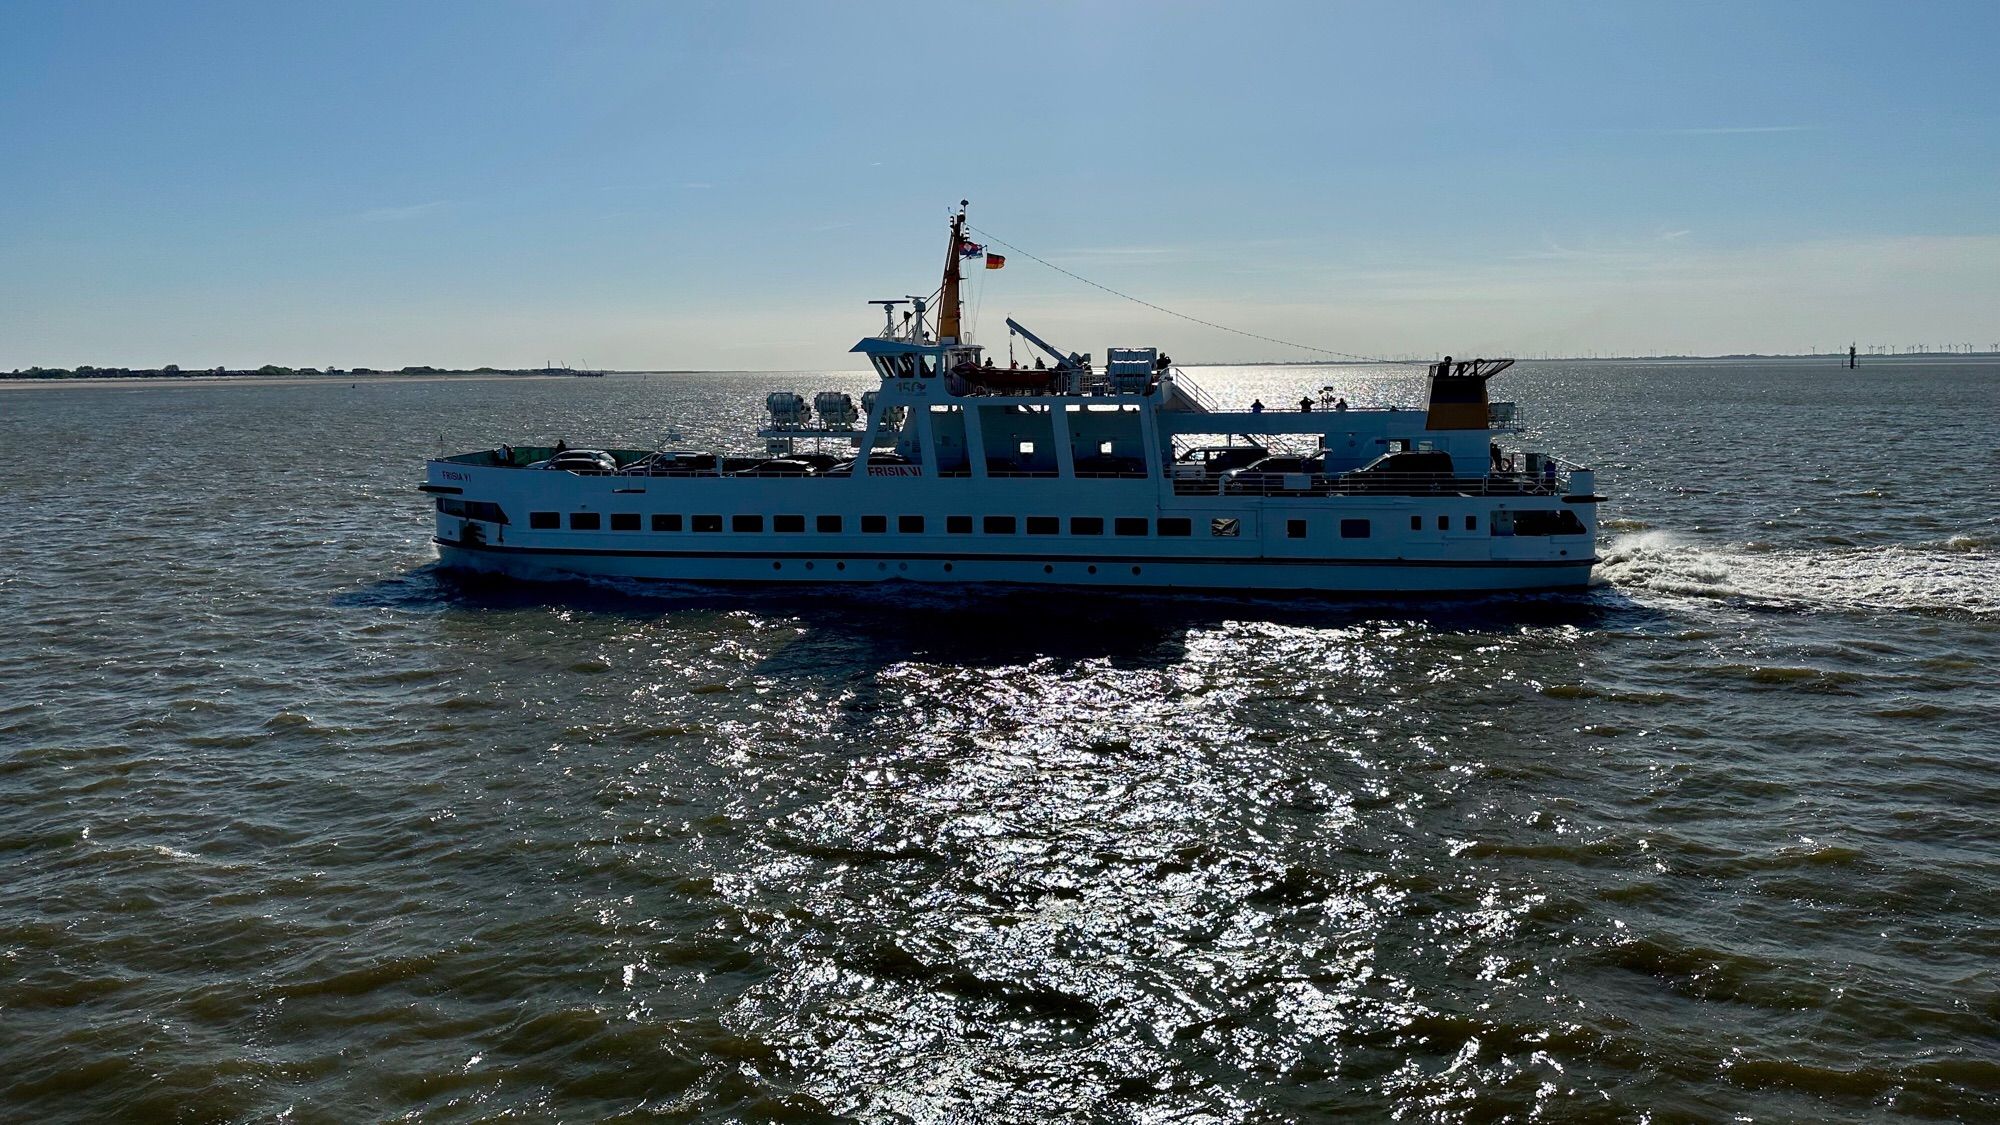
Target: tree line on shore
[[175, 371]]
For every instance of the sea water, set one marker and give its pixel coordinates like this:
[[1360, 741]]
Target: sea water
[[293, 826]]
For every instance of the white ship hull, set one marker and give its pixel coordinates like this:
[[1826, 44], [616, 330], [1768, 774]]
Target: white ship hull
[[1143, 534], [1353, 576]]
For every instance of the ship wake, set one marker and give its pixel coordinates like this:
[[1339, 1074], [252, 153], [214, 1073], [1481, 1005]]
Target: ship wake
[[1958, 576]]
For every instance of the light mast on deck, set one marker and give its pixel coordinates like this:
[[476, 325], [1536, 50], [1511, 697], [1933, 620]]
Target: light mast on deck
[[948, 310]]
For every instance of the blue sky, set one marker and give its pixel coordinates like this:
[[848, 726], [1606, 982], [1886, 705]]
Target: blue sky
[[723, 185]]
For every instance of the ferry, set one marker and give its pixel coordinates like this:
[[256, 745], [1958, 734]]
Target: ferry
[[1063, 472]]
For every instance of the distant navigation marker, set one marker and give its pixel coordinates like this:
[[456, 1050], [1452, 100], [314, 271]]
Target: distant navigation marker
[[1850, 357]]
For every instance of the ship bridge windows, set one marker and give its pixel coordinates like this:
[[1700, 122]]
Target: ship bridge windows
[[905, 367]]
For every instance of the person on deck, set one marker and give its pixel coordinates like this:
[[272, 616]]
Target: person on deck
[[1305, 406], [1257, 407], [1340, 404]]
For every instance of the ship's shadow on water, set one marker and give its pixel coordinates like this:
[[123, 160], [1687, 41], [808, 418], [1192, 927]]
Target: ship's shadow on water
[[989, 625]]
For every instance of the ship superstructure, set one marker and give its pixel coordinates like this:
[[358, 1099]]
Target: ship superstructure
[[1060, 472]]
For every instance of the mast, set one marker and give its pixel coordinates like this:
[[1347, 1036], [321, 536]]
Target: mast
[[948, 310]]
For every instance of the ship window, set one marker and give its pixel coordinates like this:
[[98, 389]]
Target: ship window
[[1044, 525], [1175, 525], [1354, 529], [669, 522], [1444, 523], [958, 525], [624, 521], [788, 523], [544, 521], [583, 521], [828, 524], [1104, 447], [1225, 528], [746, 523], [1129, 525], [1472, 523], [1561, 522], [1295, 529], [874, 525], [1086, 525], [708, 523], [910, 525], [999, 525], [476, 510]]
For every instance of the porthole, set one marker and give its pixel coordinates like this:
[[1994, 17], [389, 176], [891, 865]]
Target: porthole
[[1048, 570], [777, 566], [902, 566], [809, 566], [840, 566], [1135, 570], [947, 568], [1093, 570]]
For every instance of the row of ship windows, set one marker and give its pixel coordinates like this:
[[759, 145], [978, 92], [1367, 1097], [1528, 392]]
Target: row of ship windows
[[1168, 526], [871, 525], [914, 525]]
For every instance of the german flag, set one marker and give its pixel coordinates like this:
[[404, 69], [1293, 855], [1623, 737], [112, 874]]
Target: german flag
[[995, 261]]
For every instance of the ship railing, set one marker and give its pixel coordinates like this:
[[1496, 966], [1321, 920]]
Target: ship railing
[[1192, 390], [1550, 483]]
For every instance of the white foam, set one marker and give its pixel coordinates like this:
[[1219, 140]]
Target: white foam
[[1944, 577]]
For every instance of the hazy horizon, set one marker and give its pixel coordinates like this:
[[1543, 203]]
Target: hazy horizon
[[635, 187]]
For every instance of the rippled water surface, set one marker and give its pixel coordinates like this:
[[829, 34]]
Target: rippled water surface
[[292, 826]]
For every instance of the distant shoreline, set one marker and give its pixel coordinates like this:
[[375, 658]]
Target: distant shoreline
[[262, 379], [283, 377]]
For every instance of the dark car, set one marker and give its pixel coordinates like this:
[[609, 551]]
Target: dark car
[[1267, 476], [590, 462], [781, 467], [842, 468], [674, 463], [1214, 460], [1419, 471]]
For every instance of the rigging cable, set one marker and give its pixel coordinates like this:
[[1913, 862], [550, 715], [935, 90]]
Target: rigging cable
[[1197, 320]]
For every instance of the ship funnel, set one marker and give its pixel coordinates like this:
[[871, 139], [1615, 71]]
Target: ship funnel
[[1458, 393]]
